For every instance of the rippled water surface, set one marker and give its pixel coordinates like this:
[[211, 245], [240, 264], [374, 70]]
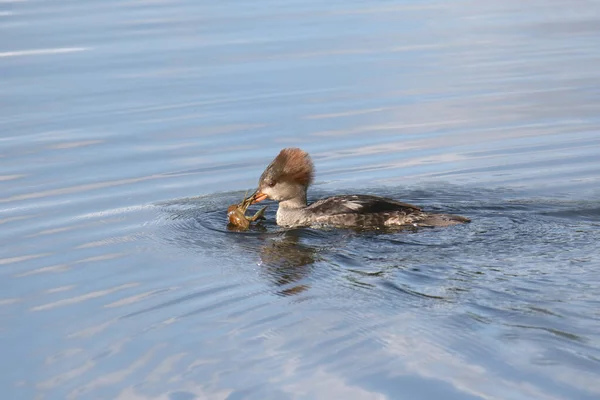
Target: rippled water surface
[[127, 127]]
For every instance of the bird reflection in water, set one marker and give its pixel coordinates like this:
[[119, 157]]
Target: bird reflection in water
[[287, 262], [284, 257]]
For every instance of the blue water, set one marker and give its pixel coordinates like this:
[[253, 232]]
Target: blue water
[[127, 128]]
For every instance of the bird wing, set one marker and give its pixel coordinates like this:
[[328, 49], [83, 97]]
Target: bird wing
[[360, 204]]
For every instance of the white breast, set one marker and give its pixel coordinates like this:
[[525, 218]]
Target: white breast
[[291, 216]]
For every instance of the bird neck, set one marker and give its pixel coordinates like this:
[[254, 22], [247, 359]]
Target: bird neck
[[295, 202]]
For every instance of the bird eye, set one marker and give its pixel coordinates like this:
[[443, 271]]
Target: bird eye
[[271, 184]]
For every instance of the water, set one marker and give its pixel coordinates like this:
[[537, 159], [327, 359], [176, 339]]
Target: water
[[126, 128]]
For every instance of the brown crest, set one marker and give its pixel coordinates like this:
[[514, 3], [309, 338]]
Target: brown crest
[[292, 164]]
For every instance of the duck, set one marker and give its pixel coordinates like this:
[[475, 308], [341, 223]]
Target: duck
[[287, 178]]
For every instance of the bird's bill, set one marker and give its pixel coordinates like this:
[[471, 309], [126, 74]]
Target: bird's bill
[[258, 197]]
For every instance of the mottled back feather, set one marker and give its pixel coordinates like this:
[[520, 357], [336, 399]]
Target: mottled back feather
[[360, 204]]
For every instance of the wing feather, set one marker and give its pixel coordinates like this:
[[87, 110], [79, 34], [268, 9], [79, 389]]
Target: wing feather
[[360, 204]]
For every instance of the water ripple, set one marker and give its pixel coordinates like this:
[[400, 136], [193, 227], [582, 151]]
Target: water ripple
[[126, 134]]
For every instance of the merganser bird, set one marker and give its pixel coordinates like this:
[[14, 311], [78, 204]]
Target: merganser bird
[[287, 178]]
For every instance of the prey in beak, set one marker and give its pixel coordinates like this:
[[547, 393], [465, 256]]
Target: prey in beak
[[236, 214]]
